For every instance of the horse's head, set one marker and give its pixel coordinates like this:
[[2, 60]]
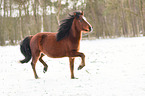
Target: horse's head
[[81, 22], [76, 22]]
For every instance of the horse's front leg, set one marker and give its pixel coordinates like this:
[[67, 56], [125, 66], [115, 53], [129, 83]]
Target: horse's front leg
[[71, 61], [79, 54], [83, 61]]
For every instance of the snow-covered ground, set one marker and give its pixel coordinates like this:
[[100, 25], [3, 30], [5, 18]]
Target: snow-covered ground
[[114, 67]]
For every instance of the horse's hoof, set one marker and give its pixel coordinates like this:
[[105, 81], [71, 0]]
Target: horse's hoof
[[37, 77], [74, 78], [80, 67], [45, 69]]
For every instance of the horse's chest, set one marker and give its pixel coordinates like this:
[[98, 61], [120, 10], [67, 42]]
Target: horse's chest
[[74, 47]]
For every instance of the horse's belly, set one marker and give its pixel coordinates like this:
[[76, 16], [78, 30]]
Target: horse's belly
[[55, 53]]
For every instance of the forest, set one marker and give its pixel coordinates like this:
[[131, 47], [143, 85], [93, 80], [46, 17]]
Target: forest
[[109, 18]]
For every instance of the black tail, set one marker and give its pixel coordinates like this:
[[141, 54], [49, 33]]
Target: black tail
[[25, 49]]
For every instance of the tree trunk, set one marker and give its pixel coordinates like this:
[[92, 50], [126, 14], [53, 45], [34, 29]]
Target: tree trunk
[[58, 11], [11, 32], [20, 22], [4, 25], [133, 18], [142, 14], [124, 23]]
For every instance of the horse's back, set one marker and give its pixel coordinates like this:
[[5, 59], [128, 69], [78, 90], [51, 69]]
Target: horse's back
[[46, 42]]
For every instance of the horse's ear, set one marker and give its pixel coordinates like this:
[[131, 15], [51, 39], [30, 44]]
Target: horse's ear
[[82, 13]]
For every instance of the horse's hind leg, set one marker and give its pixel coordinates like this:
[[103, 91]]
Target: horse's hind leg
[[33, 63], [45, 65]]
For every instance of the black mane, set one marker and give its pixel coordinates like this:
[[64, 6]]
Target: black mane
[[65, 26]]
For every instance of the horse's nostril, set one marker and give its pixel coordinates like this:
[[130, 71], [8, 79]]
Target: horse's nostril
[[91, 29]]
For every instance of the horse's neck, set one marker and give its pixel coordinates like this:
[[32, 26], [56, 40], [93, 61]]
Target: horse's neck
[[75, 35], [74, 41], [74, 38]]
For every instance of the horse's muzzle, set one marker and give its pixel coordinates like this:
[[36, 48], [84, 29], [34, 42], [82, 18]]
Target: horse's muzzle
[[90, 29]]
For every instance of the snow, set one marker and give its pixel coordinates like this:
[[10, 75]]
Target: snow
[[114, 67]]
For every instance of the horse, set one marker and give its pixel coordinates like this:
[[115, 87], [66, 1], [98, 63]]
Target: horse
[[64, 43]]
